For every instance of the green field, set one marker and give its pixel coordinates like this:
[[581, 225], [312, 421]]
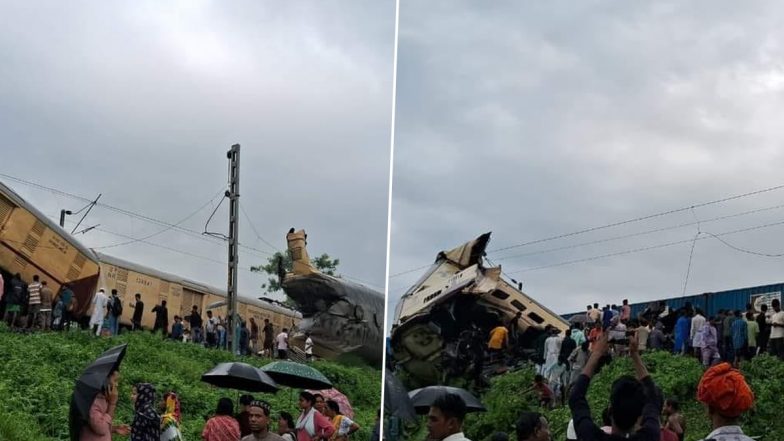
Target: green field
[[676, 376], [38, 371]]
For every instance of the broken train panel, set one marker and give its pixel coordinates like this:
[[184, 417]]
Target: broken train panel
[[451, 309]]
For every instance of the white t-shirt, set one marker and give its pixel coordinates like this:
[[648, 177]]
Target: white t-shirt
[[309, 346], [777, 332], [282, 340]]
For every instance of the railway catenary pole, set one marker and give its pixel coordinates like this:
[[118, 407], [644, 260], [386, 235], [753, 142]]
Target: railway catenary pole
[[234, 195]]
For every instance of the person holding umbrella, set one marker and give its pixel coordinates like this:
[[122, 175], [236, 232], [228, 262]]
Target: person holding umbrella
[[99, 426], [311, 425]]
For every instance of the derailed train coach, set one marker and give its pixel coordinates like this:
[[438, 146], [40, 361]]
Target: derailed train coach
[[32, 244], [181, 295], [453, 307]]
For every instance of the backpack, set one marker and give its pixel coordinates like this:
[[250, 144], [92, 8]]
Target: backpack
[[117, 307]]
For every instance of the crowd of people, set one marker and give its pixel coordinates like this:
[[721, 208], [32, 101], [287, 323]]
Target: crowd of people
[[319, 419], [730, 336], [34, 307], [637, 408]]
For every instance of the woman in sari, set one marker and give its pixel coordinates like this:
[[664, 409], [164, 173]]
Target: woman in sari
[[170, 420], [342, 424], [146, 424], [312, 425]]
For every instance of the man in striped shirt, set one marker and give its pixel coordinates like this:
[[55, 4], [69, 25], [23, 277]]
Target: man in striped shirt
[[34, 302]]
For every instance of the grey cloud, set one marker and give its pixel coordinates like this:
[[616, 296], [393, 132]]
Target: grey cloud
[[141, 101], [535, 120]]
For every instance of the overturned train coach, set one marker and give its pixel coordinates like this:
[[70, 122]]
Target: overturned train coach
[[457, 296], [32, 244], [341, 317]]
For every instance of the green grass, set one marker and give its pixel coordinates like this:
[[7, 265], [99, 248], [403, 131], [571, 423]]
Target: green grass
[[38, 371], [676, 376]]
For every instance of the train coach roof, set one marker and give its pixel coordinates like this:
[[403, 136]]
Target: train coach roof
[[187, 283], [22, 203]]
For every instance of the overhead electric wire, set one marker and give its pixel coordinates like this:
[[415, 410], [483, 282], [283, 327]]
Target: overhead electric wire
[[638, 219], [186, 218], [642, 233], [546, 239], [181, 229], [741, 249], [637, 250], [253, 227]]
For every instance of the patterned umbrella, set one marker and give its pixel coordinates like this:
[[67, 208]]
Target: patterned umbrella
[[338, 397], [289, 373]]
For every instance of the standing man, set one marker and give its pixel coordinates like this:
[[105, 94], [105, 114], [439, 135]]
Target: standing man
[[69, 305], [138, 311], [696, 338], [115, 311], [626, 311], [46, 305], [195, 321], [14, 300], [269, 337], [100, 301], [445, 419], [161, 318], [254, 336], [283, 344], [776, 342], [211, 330], [309, 347], [764, 328], [258, 417], [34, 303]]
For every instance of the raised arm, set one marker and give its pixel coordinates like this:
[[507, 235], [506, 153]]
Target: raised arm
[[650, 429]]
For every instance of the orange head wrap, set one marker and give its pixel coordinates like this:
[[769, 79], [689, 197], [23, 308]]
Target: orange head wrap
[[725, 390]]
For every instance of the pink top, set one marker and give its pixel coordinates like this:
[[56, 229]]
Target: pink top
[[323, 428], [221, 428], [99, 426]]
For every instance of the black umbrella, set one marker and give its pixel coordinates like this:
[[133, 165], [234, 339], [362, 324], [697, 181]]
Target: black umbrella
[[423, 398], [240, 376], [396, 399], [89, 384]]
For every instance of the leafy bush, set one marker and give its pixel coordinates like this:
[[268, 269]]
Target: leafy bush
[[38, 373], [676, 376]]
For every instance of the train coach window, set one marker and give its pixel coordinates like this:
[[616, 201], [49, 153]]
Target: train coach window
[[432, 296], [520, 306], [535, 317], [501, 295]]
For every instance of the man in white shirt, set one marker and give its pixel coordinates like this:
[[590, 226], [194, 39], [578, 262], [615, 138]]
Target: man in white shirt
[[283, 344], [308, 347], [99, 311], [776, 342], [445, 419], [694, 333]]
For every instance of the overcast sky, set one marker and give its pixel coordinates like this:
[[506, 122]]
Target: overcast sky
[[141, 100], [535, 119]]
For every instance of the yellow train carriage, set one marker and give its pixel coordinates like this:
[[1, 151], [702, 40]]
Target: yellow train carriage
[[181, 295], [32, 244], [154, 286]]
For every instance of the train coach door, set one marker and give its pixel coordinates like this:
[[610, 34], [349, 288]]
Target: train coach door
[[190, 298]]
